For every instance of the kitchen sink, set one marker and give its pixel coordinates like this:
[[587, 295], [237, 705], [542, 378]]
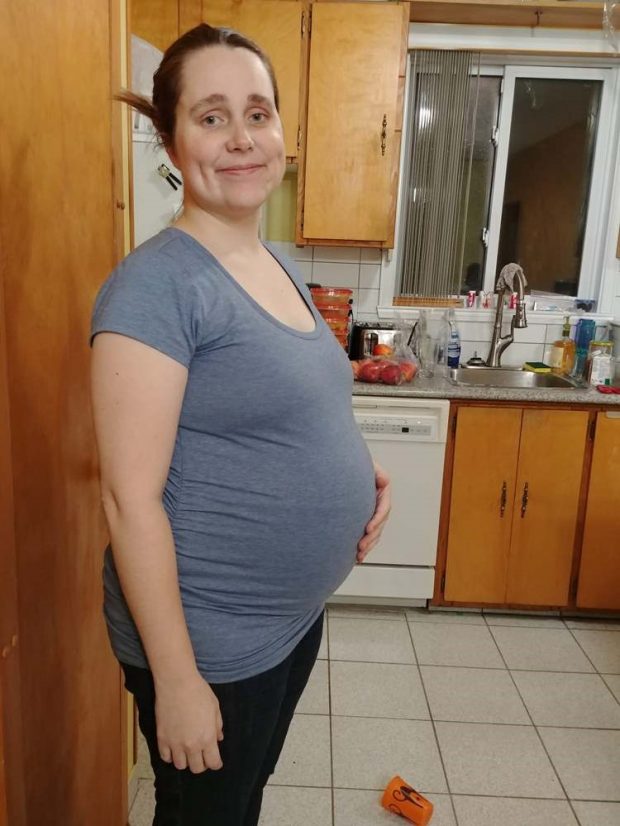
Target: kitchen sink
[[509, 377]]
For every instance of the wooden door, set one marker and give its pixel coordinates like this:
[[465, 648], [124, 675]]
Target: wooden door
[[276, 25], [156, 21], [546, 506], [483, 490], [599, 575], [357, 61], [58, 240]]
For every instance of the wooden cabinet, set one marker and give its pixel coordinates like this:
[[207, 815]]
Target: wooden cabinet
[[349, 169], [548, 13], [156, 21], [514, 503], [599, 573]]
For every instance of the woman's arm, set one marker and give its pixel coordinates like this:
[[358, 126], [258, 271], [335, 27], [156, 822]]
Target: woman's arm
[[137, 393]]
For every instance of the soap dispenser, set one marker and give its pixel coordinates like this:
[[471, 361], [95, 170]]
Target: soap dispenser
[[562, 357]]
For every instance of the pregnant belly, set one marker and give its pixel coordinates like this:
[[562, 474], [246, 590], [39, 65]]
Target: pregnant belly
[[276, 554]]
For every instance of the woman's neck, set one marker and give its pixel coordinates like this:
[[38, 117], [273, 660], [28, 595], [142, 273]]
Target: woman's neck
[[220, 234]]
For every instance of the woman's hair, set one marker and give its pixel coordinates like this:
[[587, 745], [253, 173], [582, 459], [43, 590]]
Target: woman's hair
[[167, 79]]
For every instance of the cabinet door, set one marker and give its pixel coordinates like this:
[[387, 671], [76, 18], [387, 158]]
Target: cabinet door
[[599, 576], [357, 55], [276, 25], [483, 490], [156, 21], [546, 506]]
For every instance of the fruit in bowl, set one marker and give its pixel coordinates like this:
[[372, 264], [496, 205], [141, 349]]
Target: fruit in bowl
[[391, 373], [370, 371], [408, 370], [382, 350]]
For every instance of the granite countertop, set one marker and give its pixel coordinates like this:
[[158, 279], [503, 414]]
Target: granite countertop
[[439, 387]]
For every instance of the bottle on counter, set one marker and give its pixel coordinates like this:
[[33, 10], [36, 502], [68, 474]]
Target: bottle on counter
[[454, 342], [562, 356]]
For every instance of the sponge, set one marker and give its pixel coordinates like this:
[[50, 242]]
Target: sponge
[[537, 367]]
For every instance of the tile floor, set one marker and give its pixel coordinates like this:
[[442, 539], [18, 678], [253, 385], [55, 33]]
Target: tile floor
[[499, 720]]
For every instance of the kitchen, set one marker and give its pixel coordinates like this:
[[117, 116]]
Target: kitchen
[[405, 645]]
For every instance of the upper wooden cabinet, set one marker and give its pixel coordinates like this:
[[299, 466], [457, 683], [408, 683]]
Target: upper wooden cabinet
[[548, 13], [599, 575], [349, 169], [512, 526], [156, 21]]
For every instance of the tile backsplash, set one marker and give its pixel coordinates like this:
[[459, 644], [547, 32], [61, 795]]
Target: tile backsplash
[[359, 269]]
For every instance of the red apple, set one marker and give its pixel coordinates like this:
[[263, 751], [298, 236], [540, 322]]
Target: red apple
[[408, 370], [382, 350], [370, 371], [390, 373]]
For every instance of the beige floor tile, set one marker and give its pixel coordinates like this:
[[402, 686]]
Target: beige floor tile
[[315, 699], [472, 695], [574, 700], [143, 809], [354, 807], [539, 649], [453, 617], [597, 814], [613, 681], [296, 806], [510, 811], [377, 690], [365, 640], [305, 758], [449, 644], [602, 647], [587, 761], [366, 612], [502, 761], [524, 622], [368, 752]]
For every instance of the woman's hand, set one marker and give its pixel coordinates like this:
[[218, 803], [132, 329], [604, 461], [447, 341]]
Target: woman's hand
[[379, 517], [189, 725]]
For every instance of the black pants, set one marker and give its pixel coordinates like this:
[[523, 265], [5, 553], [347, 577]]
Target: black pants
[[257, 713]]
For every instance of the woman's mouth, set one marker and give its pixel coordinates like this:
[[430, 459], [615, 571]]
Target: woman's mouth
[[241, 170]]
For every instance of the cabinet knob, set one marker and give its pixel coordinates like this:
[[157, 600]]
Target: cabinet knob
[[524, 499], [383, 134], [502, 500]]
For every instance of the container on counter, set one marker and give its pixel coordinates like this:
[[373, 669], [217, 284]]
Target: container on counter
[[600, 366], [334, 304]]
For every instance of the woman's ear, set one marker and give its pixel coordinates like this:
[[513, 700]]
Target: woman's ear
[[169, 147]]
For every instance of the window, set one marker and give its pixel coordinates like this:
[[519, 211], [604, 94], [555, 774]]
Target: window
[[537, 150]]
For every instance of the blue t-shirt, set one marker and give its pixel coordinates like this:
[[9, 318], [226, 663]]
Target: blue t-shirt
[[270, 484]]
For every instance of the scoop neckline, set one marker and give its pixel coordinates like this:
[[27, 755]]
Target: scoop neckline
[[311, 334]]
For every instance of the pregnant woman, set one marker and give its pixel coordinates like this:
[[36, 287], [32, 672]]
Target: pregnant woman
[[236, 484]]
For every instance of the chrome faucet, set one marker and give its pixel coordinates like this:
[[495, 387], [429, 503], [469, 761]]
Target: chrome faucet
[[499, 343]]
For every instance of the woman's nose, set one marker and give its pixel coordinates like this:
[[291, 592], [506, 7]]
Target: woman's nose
[[240, 138]]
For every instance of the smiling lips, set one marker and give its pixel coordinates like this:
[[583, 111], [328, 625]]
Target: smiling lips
[[241, 170]]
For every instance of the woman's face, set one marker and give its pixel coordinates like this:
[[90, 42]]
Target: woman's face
[[228, 141]]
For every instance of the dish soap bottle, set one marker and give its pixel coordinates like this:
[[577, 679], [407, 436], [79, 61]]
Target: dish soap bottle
[[562, 357]]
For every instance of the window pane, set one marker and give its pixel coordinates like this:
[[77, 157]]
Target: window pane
[[479, 196], [548, 176]]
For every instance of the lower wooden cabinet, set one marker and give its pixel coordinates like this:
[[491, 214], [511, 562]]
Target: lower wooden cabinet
[[514, 505], [599, 573]]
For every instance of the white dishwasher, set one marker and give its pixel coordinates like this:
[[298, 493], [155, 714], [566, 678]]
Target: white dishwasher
[[407, 437]]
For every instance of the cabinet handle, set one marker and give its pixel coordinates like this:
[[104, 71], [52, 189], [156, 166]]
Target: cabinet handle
[[383, 134], [524, 499], [502, 501]]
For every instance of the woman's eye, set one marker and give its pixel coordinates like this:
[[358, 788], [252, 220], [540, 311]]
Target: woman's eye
[[210, 120], [258, 117]]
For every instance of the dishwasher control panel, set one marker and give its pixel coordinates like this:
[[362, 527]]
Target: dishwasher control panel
[[404, 428]]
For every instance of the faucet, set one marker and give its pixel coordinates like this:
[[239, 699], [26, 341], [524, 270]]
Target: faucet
[[499, 343]]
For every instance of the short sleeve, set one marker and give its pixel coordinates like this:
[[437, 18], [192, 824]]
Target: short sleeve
[[148, 299]]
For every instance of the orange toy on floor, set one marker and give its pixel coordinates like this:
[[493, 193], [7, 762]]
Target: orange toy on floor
[[399, 797]]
